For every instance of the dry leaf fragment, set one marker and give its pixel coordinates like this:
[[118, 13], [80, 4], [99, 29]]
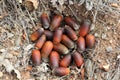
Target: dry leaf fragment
[[105, 67], [24, 35], [82, 73], [26, 75], [114, 5], [59, 7], [9, 67], [31, 4], [20, 1], [29, 68], [89, 5], [1, 74], [118, 57]]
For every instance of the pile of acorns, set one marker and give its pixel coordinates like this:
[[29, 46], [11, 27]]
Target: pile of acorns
[[61, 45]]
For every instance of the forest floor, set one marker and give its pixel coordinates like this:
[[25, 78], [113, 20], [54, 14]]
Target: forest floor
[[17, 23]]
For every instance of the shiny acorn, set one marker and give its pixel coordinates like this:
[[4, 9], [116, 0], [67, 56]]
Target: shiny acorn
[[36, 57], [35, 35], [66, 60], [49, 34], [90, 41], [54, 59], [57, 35], [40, 41], [56, 21], [71, 23], [46, 49], [45, 20], [67, 41], [78, 59], [60, 48], [61, 71], [81, 44], [84, 28], [71, 33]]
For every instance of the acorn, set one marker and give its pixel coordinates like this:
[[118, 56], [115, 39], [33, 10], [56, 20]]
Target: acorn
[[36, 57], [71, 33], [65, 62], [67, 41], [71, 23], [57, 35], [54, 59], [90, 41], [84, 28], [56, 21], [35, 35], [46, 49], [81, 43], [60, 48], [45, 20], [41, 41], [49, 34], [78, 59], [61, 71]]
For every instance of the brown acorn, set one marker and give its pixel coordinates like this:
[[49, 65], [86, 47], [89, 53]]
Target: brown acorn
[[84, 28], [71, 23], [35, 35], [54, 59], [36, 57], [65, 62], [45, 20], [41, 41], [90, 41], [81, 43], [78, 59], [49, 34], [61, 71], [67, 41], [57, 35], [61, 48], [46, 49], [71, 33], [56, 22]]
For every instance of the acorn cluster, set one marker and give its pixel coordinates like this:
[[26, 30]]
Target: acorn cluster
[[61, 45]]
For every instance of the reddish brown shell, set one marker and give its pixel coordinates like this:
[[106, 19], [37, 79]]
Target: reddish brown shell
[[54, 59], [45, 20], [60, 48], [36, 57], [81, 44], [61, 71], [35, 35], [46, 49], [78, 59], [90, 41], [65, 62], [67, 41], [84, 28], [57, 35], [40, 42], [71, 23], [49, 34], [71, 33], [56, 22]]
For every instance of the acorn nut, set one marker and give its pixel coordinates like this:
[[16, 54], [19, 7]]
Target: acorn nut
[[36, 57], [54, 59]]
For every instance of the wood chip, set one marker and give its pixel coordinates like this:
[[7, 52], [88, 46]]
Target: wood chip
[[114, 5], [31, 4], [1, 74], [29, 68], [105, 67]]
